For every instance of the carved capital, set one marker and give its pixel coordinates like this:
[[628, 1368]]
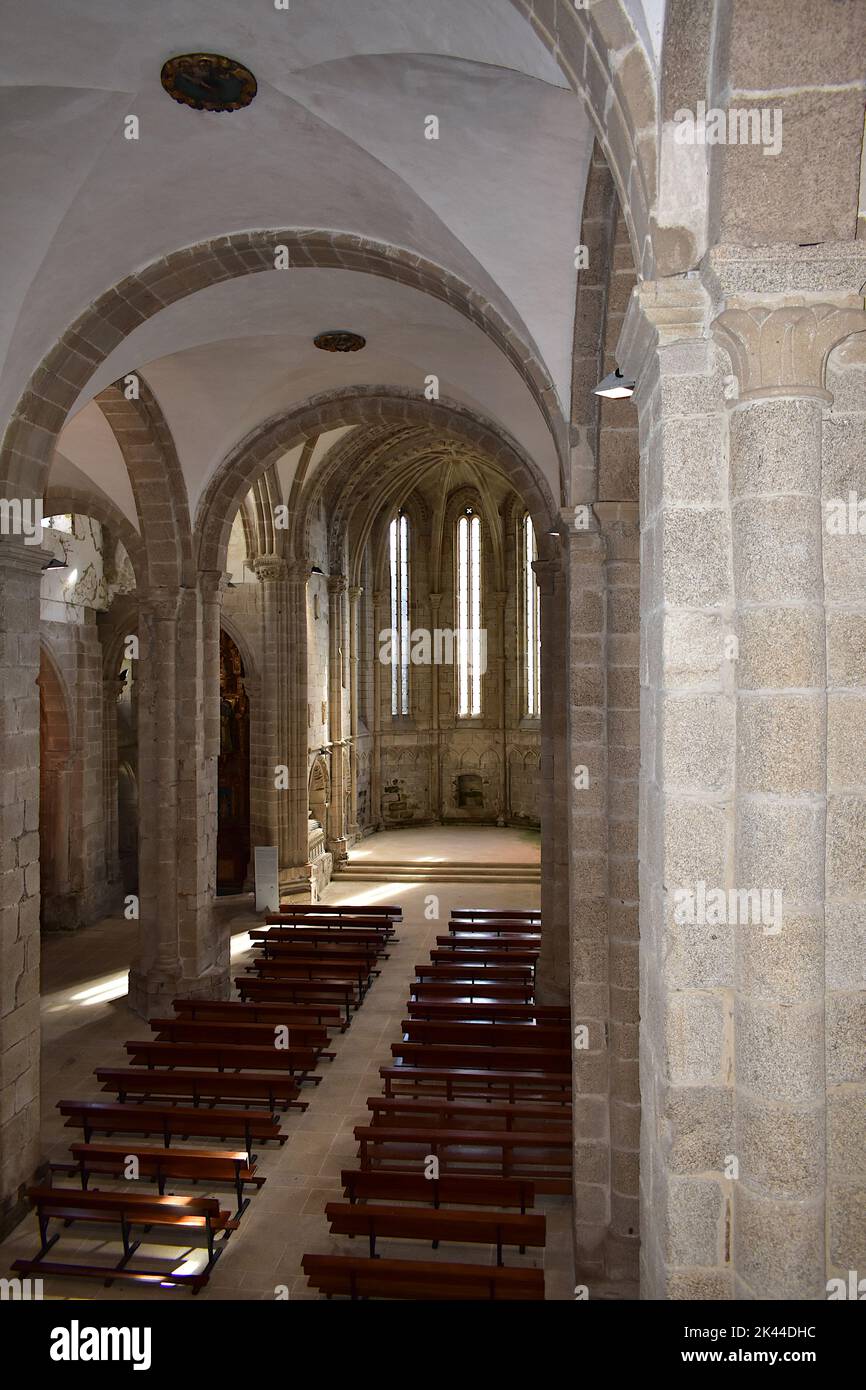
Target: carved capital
[[783, 351], [548, 573], [161, 605], [269, 568], [337, 583]]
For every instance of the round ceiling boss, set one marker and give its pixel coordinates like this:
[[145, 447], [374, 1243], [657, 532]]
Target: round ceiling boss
[[208, 82]]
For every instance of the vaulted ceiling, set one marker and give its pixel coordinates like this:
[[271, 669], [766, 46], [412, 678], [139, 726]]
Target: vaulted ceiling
[[334, 140]]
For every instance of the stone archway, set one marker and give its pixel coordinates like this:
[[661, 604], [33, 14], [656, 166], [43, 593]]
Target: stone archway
[[65, 371]]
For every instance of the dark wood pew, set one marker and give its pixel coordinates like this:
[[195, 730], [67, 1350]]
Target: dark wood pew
[[458, 940], [475, 1113], [426, 1054], [165, 1165], [127, 1209], [493, 926], [476, 972], [234, 1010], [454, 1081], [391, 911], [528, 1035], [304, 968], [478, 959], [299, 1061], [322, 955], [456, 992], [344, 992], [489, 1011], [243, 1034], [417, 1279], [171, 1121], [481, 914], [379, 1184], [544, 1155], [487, 943], [436, 1225], [319, 939], [244, 1087]]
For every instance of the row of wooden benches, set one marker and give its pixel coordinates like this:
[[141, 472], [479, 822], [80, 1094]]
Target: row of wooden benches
[[187, 1081], [481, 1084]]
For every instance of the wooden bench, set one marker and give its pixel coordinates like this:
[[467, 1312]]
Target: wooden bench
[[492, 926], [242, 1034], [459, 1010], [304, 968], [126, 1210], [323, 939], [399, 1111], [476, 973], [448, 955], [455, 991], [109, 1274], [418, 1279], [391, 912], [298, 1061], [170, 1121], [528, 1035], [245, 1087], [538, 1059], [259, 991], [543, 1155], [505, 914], [457, 940], [436, 1225], [234, 1010], [453, 1189], [466, 1081], [166, 1165]]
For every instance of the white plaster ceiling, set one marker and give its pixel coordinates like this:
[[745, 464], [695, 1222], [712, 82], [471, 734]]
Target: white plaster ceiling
[[244, 350], [333, 140]]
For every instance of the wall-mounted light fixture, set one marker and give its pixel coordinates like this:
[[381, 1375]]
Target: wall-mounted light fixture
[[614, 387]]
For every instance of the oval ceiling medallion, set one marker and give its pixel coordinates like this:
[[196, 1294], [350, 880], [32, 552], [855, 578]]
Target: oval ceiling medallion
[[340, 340], [208, 82]]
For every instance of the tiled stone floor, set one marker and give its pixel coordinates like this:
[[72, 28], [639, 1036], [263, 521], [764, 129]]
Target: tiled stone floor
[[86, 1021]]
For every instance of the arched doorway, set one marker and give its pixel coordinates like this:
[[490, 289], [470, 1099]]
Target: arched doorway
[[233, 779]]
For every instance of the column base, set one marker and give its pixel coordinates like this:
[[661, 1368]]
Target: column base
[[151, 992]]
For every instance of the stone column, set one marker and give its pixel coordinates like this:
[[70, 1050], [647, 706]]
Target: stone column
[[181, 950], [337, 586], [553, 966], [20, 576], [354, 694], [586, 771], [781, 831], [619, 521], [435, 727], [688, 755], [297, 866], [733, 796], [498, 599], [381, 620]]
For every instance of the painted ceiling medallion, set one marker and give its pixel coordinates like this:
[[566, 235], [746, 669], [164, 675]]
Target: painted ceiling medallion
[[208, 82], [340, 340]]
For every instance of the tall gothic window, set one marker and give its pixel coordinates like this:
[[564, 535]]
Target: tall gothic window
[[399, 543], [531, 623], [470, 638]]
